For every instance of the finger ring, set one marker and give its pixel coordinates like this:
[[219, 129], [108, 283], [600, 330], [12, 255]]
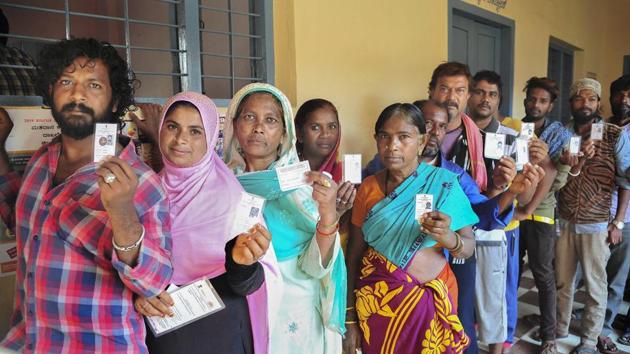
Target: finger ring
[[109, 178], [338, 200], [326, 183]]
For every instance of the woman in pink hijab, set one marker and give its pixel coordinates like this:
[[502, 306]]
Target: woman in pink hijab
[[203, 196]]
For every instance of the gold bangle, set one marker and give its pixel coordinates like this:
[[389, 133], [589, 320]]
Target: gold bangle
[[351, 322], [349, 308], [327, 226]]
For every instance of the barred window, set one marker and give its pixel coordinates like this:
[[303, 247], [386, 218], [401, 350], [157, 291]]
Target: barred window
[[211, 46]]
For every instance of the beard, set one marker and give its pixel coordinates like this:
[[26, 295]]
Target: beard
[[534, 117], [429, 150], [584, 115], [621, 111], [80, 127]]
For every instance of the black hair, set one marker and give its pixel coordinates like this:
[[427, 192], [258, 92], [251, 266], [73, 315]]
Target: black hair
[[180, 104], [423, 103], [491, 77], [544, 83], [621, 84], [55, 58], [411, 112], [305, 111], [451, 68]]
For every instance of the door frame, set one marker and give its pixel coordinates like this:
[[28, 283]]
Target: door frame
[[507, 27]]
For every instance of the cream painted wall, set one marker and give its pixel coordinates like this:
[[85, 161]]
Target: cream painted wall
[[364, 55]]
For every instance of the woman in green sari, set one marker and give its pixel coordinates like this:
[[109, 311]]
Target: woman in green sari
[[403, 287], [260, 137]]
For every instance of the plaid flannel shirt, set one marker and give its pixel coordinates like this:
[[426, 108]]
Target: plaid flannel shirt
[[73, 293]]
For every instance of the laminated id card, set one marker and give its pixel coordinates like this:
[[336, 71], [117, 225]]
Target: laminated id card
[[522, 153], [424, 204], [574, 145], [352, 168], [494, 147], [192, 302], [104, 140], [527, 130], [293, 176], [597, 131], [248, 213]]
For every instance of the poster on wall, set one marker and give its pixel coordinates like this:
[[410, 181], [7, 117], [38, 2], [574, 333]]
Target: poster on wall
[[32, 128], [8, 259]]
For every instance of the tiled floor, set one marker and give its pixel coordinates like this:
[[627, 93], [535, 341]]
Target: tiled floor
[[528, 304]]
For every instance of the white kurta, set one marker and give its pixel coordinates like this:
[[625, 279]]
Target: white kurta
[[299, 326]]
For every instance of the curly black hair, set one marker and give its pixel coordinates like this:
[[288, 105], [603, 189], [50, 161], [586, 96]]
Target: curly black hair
[[54, 58]]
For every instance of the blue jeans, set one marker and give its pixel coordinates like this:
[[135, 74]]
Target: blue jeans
[[512, 277]]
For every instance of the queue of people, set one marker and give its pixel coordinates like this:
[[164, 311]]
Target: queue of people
[[424, 256]]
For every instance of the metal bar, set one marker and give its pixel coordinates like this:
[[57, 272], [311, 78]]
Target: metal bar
[[157, 73], [34, 8], [189, 41], [222, 77], [270, 70], [210, 8], [127, 38], [152, 49], [175, 2], [231, 49], [235, 34], [69, 13], [67, 17], [31, 38], [231, 56], [14, 66]]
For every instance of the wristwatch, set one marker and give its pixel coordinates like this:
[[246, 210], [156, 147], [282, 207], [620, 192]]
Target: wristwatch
[[618, 224]]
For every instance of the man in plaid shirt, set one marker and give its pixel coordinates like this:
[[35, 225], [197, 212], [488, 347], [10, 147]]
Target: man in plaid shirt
[[89, 235]]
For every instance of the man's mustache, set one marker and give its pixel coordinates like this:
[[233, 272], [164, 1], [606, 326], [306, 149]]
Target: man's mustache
[[79, 107]]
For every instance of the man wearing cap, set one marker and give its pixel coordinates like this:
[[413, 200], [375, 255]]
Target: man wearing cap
[[584, 213]]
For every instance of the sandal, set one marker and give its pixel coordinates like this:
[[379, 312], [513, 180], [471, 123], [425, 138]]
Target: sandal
[[624, 339], [605, 345], [583, 349]]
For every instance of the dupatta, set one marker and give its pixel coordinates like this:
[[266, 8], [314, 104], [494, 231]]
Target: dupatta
[[391, 227], [291, 216], [202, 201]]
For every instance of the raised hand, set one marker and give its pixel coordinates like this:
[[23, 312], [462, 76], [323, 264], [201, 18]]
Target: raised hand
[[251, 246]]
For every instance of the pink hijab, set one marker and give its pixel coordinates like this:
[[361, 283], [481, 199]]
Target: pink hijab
[[202, 200]]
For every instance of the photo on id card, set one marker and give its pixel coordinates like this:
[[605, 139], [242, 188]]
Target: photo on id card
[[494, 147], [597, 131]]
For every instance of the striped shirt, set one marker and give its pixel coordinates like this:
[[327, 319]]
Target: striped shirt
[[73, 294]]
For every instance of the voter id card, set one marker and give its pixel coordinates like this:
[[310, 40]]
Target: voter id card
[[597, 131], [527, 130], [522, 153], [494, 147], [424, 204], [293, 176], [352, 168], [574, 145], [104, 140], [248, 213]]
